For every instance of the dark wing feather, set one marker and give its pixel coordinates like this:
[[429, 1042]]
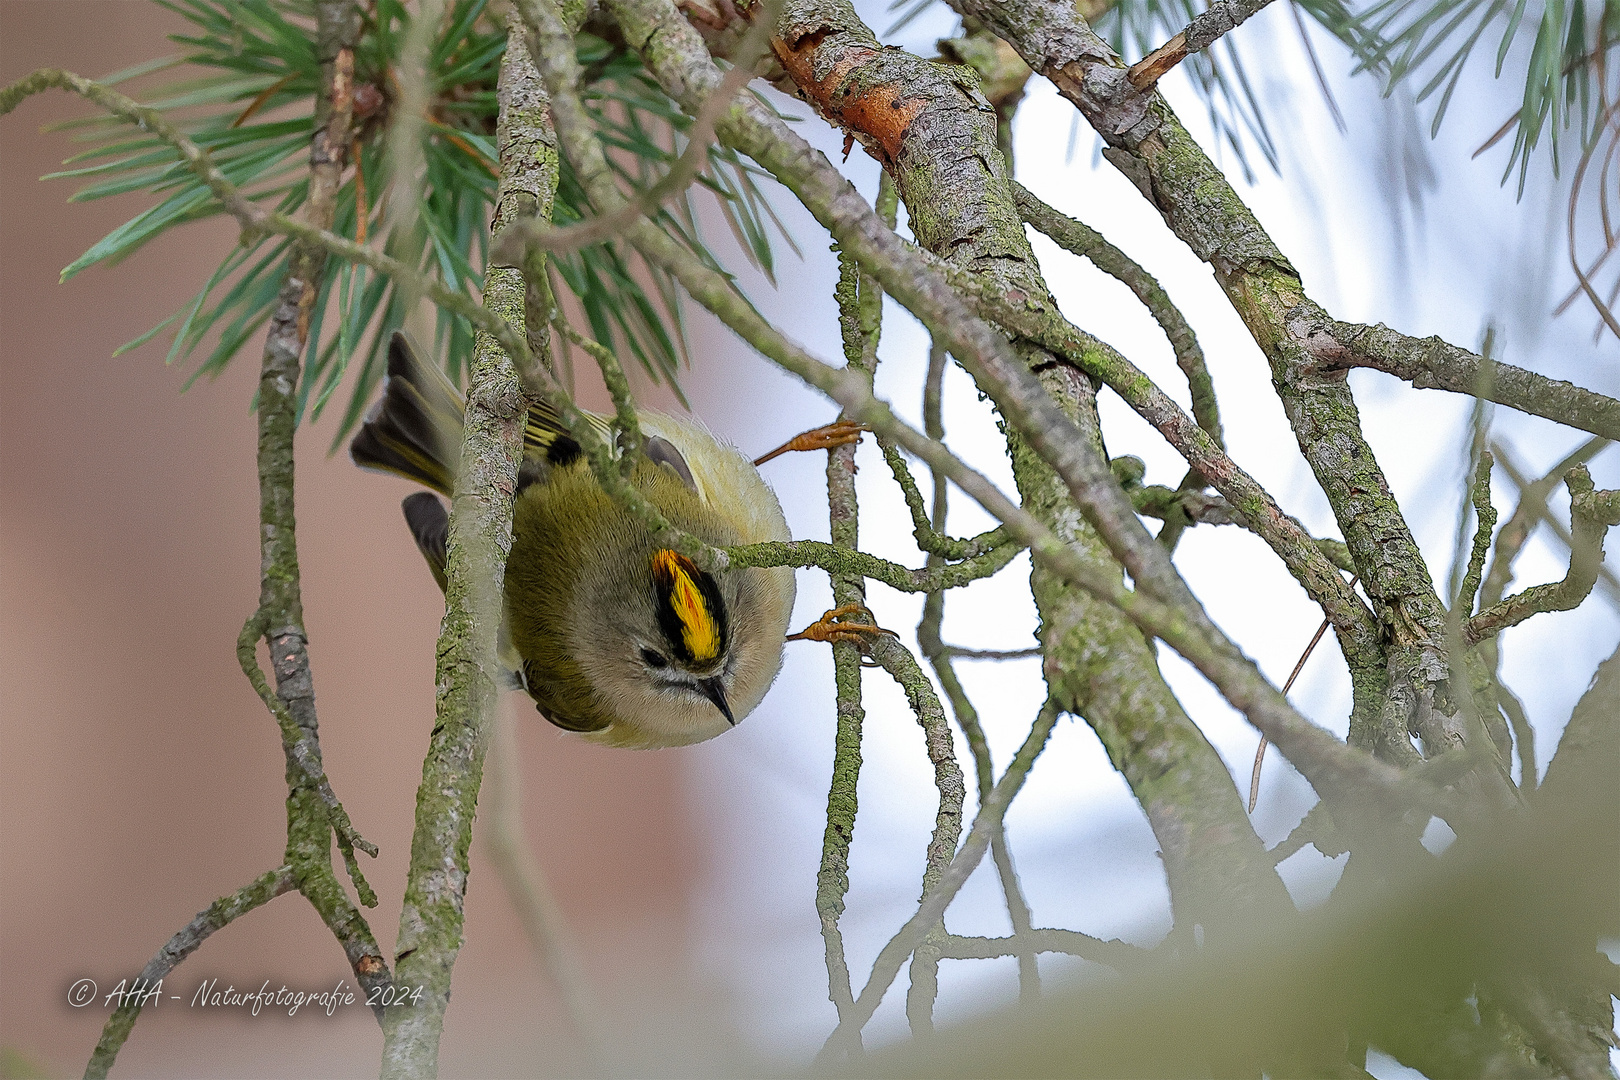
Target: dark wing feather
[[415, 429], [546, 439], [430, 527]]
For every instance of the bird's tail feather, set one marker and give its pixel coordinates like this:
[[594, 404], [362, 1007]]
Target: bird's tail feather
[[415, 429]]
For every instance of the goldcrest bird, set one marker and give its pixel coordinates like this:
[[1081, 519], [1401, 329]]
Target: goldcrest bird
[[615, 636]]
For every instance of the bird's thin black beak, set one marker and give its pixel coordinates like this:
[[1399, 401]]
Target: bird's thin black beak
[[716, 693]]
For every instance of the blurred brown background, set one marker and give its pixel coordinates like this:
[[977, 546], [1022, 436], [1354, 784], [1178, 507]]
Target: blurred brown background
[[142, 777]]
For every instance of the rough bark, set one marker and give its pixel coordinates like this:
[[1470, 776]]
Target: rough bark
[[430, 932], [936, 134]]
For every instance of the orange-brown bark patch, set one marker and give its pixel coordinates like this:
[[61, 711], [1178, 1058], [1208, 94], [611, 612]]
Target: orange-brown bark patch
[[879, 112]]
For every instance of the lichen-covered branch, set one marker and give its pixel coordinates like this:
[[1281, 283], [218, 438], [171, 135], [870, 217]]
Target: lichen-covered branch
[[1081, 239], [836, 559], [939, 656], [897, 660], [1433, 363], [1326, 762], [985, 825], [218, 915], [1592, 513], [239, 206], [860, 307], [1531, 508], [468, 671], [1485, 513], [928, 535]]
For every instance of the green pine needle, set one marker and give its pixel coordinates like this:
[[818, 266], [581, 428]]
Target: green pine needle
[[245, 86]]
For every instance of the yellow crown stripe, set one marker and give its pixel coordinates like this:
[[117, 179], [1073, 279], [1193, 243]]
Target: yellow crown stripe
[[699, 630]]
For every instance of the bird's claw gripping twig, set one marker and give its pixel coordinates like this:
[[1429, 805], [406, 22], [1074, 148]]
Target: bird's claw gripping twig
[[831, 628], [841, 433]]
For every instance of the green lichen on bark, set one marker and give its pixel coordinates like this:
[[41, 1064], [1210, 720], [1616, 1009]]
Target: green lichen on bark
[[1098, 665], [859, 326], [430, 934]]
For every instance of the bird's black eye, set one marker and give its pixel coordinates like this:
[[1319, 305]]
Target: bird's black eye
[[654, 658]]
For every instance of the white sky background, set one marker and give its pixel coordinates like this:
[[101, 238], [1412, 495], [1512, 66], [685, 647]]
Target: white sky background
[[1084, 851]]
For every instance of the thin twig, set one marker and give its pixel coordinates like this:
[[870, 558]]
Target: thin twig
[[216, 916], [1531, 510], [1524, 736], [985, 824], [897, 660], [1485, 514], [1609, 116], [1119, 955], [967, 717], [928, 538], [841, 560], [1081, 239], [1207, 28], [531, 896], [1591, 515], [959, 653], [1260, 751]]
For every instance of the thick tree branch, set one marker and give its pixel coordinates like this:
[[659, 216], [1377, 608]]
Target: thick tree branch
[[468, 674], [1319, 755], [1149, 145]]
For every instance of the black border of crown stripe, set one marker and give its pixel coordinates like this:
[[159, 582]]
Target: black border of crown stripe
[[669, 621]]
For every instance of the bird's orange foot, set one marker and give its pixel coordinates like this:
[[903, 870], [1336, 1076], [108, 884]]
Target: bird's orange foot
[[842, 433], [831, 627]]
